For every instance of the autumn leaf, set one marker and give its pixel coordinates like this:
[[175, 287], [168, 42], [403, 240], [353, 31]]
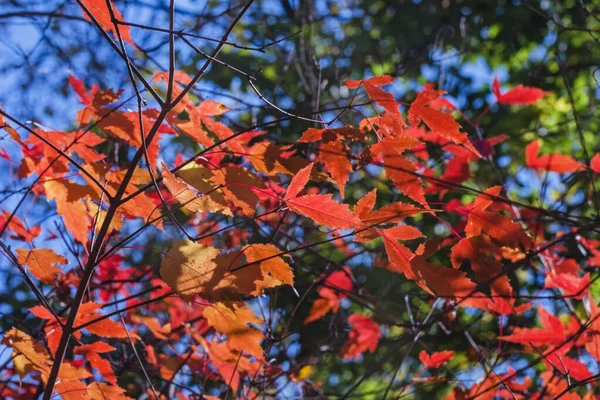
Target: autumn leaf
[[101, 12], [102, 391], [399, 169], [186, 197], [519, 95], [331, 134], [437, 121], [20, 231], [380, 80], [91, 353], [323, 210], [335, 156], [334, 289], [551, 333], [399, 255], [68, 196], [232, 320], [436, 359], [476, 250], [298, 182], [275, 270], [191, 268], [554, 162], [41, 263], [363, 336]]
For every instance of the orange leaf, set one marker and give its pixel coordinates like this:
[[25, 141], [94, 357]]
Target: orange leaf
[[298, 182], [100, 11], [399, 169], [232, 320], [192, 268], [68, 196], [383, 98], [91, 355], [185, 196], [102, 391], [335, 155], [275, 271], [41, 263]]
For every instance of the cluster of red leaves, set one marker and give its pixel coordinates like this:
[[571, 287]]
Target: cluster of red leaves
[[215, 282]]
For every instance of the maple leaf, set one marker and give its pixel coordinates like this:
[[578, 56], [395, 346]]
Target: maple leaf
[[436, 359], [68, 196], [437, 121], [497, 226], [238, 185], [398, 254], [366, 204], [102, 391], [363, 336], [391, 213], [519, 95], [321, 208], [100, 11], [29, 355], [91, 353], [232, 320], [71, 390], [159, 331], [552, 332], [191, 268], [21, 232], [572, 285], [275, 271], [335, 156], [380, 80], [398, 168], [475, 249], [185, 196], [554, 162], [203, 180], [334, 289], [41, 263], [269, 159], [382, 98], [331, 134], [501, 306]]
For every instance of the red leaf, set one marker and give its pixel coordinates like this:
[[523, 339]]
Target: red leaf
[[549, 162], [381, 80], [437, 359], [595, 163], [552, 332], [421, 110], [518, 95], [383, 98], [364, 336], [323, 210]]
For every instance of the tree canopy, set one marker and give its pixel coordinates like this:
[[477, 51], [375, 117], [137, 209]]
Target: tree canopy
[[271, 199]]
